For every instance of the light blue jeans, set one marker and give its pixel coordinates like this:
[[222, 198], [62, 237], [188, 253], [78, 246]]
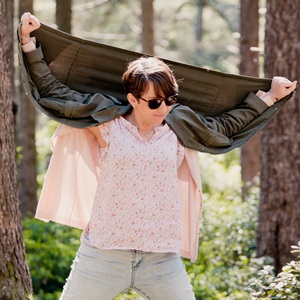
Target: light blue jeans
[[104, 274]]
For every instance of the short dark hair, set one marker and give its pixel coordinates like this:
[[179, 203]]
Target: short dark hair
[[144, 69]]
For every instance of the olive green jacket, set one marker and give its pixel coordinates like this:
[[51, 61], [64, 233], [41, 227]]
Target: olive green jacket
[[78, 83]]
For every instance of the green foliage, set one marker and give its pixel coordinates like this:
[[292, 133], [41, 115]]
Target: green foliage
[[50, 249], [131, 295], [226, 260], [286, 285]]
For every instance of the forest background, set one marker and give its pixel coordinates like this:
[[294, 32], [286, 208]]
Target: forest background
[[251, 206]]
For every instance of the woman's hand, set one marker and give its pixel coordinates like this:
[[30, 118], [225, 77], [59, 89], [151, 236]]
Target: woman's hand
[[29, 24], [95, 130], [281, 87]]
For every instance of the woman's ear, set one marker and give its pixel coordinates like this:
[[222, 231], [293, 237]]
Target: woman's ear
[[132, 100]]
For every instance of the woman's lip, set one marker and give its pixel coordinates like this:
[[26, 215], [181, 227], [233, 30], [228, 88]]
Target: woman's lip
[[160, 116]]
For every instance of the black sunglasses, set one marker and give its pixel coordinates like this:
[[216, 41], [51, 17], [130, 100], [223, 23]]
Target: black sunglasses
[[156, 103]]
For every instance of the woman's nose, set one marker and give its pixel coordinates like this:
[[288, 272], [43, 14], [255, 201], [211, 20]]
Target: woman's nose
[[163, 107]]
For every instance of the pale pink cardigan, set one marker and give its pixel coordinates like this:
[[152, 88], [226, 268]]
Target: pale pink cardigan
[[70, 185]]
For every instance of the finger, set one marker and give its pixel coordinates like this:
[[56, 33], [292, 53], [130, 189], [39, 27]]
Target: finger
[[284, 81], [25, 21], [102, 143], [35, 22], [288, 83], [292, 87], [25, 26], [25, 16]]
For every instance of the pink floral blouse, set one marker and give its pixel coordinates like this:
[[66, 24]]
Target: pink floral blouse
[[137, 204]]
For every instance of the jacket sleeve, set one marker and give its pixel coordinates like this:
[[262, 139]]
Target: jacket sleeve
[[46, 83], [235, 120], [64, 104], [211, 132], [225, 132], [72, 104]]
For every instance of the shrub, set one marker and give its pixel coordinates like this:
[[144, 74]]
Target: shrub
[[50, 249], [286, 285], [226, 260]]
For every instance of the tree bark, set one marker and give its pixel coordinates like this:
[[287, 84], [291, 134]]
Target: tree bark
[[279, 218], [64, 15], [249, 23], [199, 20], [26, 139], [148, 26], [15, 282], [249, 27]]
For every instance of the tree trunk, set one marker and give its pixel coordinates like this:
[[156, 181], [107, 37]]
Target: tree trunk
[[15, 282], [148, 26], [26, 139], [249, 37], [64, 15], [279, 220], [250, 152], [199, 20]]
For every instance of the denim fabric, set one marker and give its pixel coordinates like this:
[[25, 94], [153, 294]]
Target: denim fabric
[[104, 274]]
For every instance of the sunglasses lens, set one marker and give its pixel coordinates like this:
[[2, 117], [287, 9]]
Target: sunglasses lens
[[154, 104], [171, 100]]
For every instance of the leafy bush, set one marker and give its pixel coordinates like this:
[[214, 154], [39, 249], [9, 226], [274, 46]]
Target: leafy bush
[[50, 249], [226, 260], [285, 286]]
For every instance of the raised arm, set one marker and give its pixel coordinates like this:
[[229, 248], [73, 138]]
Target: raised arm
[[235, 120], [46, 83], [55, 99], [233, 128]]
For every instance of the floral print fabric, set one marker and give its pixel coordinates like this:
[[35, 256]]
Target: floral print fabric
[[137, 204]]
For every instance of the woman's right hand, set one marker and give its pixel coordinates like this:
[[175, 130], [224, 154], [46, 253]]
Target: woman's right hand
[[29, 24]]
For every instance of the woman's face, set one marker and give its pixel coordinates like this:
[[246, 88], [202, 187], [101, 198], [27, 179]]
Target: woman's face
[[144, 113]]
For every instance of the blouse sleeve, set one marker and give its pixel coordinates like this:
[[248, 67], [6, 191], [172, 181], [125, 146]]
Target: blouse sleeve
[[180, 154]]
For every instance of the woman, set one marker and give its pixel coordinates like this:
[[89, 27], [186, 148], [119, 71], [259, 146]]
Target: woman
[[138, 198]]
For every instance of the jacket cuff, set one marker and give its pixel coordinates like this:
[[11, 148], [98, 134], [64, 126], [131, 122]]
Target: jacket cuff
[[257, 103], [34, 56]]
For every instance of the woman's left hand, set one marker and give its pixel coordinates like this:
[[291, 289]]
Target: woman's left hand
[[281, 87], [95, 130]]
